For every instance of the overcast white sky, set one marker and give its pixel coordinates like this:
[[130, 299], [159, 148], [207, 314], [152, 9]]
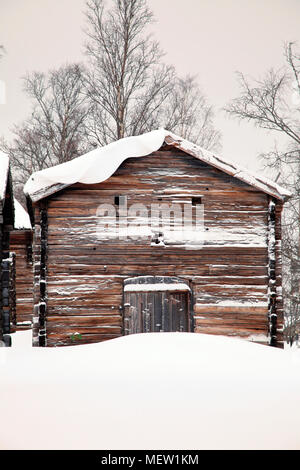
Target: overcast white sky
[[209, 38]]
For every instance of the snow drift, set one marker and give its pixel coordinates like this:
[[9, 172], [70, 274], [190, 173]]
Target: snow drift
[[150, 391]]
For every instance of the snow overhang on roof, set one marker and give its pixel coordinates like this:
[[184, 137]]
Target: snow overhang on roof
[[4, 168], [99, 164]]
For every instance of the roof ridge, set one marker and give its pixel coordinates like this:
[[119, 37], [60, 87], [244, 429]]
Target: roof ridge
[[50, 180], [240, 172]]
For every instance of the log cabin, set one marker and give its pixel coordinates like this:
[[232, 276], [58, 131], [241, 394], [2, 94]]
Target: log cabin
[[7, 285], [21, 246], [207, 260]]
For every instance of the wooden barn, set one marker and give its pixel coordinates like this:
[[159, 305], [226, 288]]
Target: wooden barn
[[207, 259], [21, 246], [7, 283]]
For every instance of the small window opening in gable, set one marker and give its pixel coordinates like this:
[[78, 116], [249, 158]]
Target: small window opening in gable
[[120, 200], [196, 200], [120, 203]]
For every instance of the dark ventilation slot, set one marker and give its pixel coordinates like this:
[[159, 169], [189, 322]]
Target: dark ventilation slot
[[196, 201]]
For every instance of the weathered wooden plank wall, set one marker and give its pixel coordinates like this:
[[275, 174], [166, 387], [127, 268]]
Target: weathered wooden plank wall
[[85, 274], [279, 307], [1, 257], [21, 245], [7, 286]]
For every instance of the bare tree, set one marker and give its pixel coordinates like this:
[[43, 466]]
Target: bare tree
[[130, 90], [127, 90], [274, 104], [54, 132], [187, 113], [127, 82]]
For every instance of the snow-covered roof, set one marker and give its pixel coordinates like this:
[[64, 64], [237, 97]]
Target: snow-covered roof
[[99, 164], [22, 220], [4, 166]]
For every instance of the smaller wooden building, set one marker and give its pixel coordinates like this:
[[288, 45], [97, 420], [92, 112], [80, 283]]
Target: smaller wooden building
[[21, 246], [7, 281]]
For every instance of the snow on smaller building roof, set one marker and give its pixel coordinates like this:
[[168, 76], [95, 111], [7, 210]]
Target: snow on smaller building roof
[[22, 220], [99, 164], [4, 167]]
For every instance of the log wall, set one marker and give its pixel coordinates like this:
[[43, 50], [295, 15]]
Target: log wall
[[7, 286], [84, 272], [21, 245], [1, 258]]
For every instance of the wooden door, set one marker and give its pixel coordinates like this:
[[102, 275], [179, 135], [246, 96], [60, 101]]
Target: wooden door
[[156, 311]]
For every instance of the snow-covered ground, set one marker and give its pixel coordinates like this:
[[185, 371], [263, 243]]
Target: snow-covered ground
[[150, 391]]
